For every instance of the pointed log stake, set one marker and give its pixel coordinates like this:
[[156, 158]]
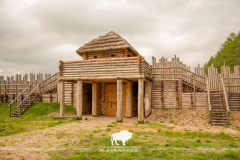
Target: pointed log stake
[[119, 100]]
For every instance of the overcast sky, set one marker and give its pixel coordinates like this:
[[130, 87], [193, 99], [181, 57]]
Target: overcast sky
[[36, 34]]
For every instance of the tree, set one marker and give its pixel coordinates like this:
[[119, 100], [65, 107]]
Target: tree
[[229, 53]]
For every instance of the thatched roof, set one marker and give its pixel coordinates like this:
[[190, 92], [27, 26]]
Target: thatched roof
[[110, 41]]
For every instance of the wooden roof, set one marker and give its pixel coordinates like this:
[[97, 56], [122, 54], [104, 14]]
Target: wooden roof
[[110, 41]]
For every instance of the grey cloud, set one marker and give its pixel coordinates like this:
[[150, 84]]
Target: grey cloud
[[37, 37]]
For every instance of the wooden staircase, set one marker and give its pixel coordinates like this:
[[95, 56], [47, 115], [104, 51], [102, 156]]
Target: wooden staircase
[[192, 86], [53, 89], [218, 113], [27, 101], [25, 105]]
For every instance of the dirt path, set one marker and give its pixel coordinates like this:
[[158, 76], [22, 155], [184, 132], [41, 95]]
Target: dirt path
[[41, 144]]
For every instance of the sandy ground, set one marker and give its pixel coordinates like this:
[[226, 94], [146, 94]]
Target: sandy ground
[[40, 144], [236, 118]]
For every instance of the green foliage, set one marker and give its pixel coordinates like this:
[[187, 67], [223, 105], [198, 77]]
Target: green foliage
[[229, 52]]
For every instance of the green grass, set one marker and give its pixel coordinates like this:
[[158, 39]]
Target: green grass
[[34, 118], [164, 138]]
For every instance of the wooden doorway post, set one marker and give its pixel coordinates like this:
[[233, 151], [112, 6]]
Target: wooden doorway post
[[148, 98], [129, 100], [94, 99], [62, 108], [79, 99], [140, 101], [119, 100]]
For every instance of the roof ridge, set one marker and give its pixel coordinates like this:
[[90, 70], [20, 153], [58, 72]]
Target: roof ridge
[[111, 39]]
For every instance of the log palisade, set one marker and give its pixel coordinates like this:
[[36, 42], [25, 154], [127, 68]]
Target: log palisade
[[113, 79]]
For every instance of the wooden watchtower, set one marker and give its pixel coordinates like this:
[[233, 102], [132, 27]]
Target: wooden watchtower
[[113, 79]]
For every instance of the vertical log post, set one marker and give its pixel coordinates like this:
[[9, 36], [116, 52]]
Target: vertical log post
[[180, 93], [71, 95], [39, 92], [129, 100], [194, 97], [119, 100], [50, 98], [1, 100], [39, 89], [5, 95], [10, 110], [162, 94], [148, 98], [140, 101], [15, 93], [79, 102], [30, 88], [19, 110], [62, 109], [58, 91], [103, 98], [94, 99]]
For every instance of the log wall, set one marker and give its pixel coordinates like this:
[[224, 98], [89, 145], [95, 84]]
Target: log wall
[[165, 94], [188, 101], [70, 90], [125, 68]]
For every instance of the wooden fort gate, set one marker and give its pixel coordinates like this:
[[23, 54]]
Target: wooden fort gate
[[112, 79]]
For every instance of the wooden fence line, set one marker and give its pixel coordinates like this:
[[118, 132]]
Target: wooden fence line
[[175, 69], [16, 84]]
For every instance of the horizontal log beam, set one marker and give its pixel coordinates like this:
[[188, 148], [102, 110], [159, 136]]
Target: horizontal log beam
[[101, 60]]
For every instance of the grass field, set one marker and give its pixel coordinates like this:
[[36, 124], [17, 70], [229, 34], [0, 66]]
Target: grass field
[[159, 142], [87, 139], [34, 118]]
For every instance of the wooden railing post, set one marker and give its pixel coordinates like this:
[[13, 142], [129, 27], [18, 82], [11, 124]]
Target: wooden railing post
[[16, 94], [19, 110], [194, 85], [209, 103], [10, 110], [226, 99], [5, 95], [180, 93]]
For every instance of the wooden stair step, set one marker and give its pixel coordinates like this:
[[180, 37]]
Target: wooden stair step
[[220, 124]]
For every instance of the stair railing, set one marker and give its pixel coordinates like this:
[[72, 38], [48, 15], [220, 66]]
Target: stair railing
[[45, 83], [15, 100], [197, 80], [29, 95], [225, 99], [209, 102], [18, 96], [190, 77]]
